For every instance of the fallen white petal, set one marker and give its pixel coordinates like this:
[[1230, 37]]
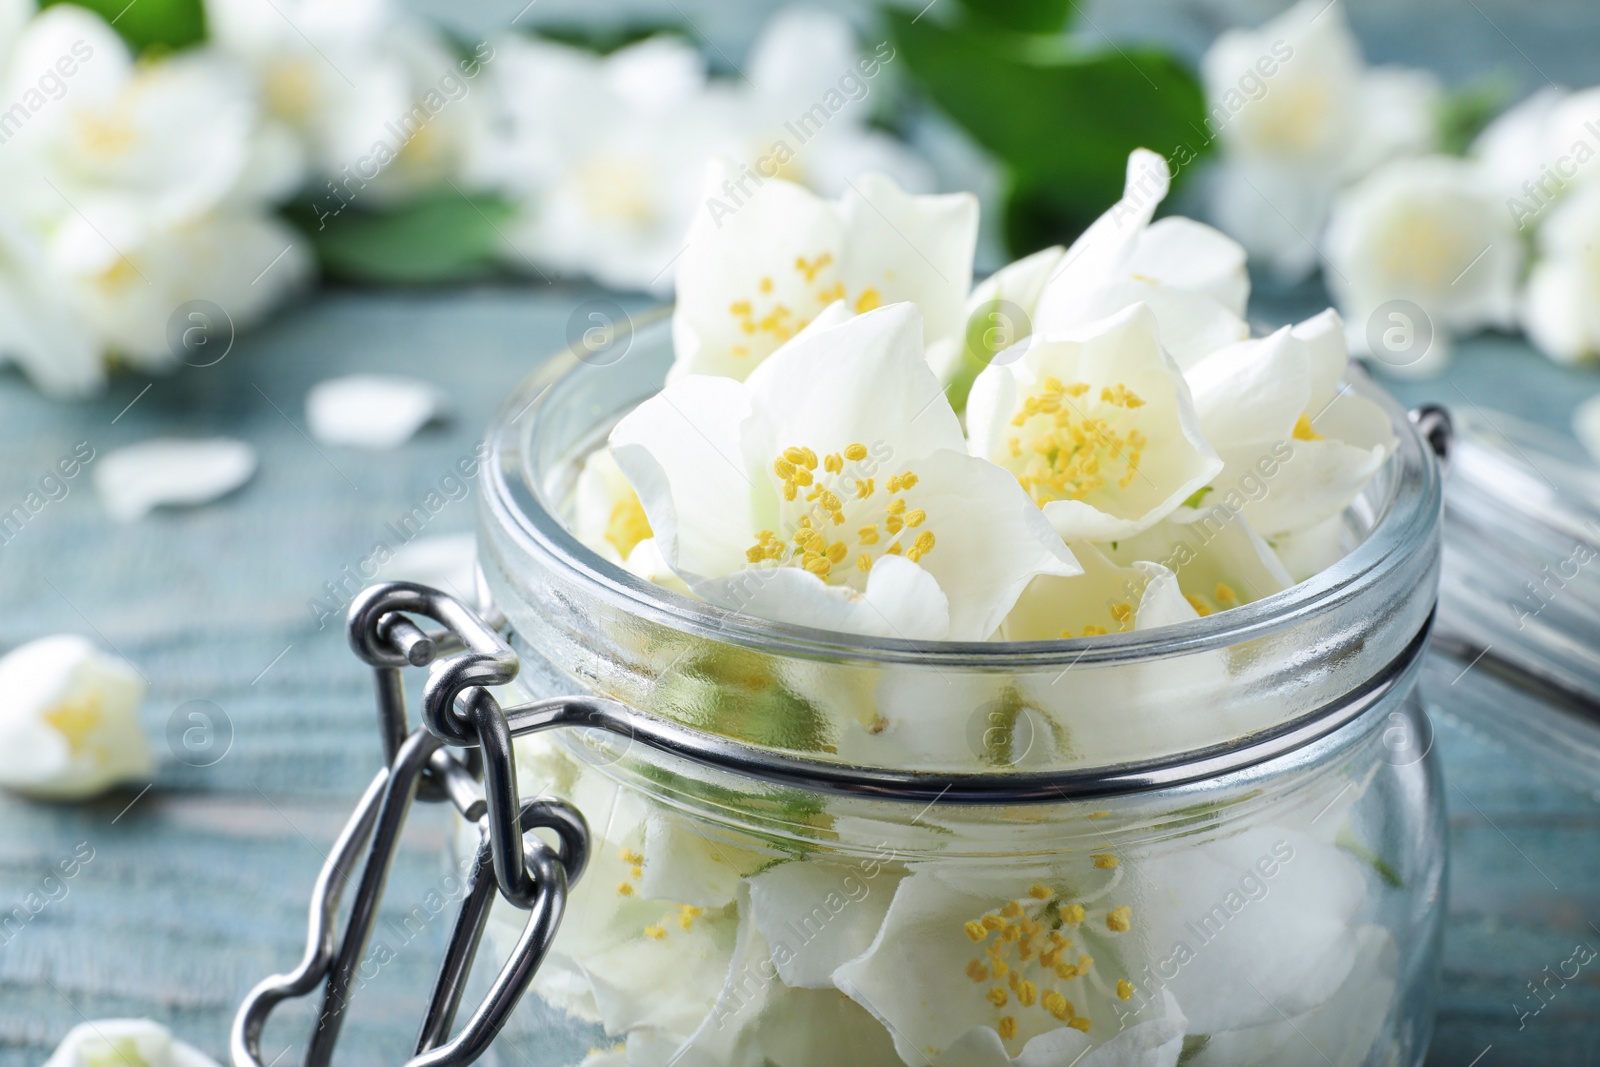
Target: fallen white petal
[[1586, 425], [116, 1041], [371, 410], [69, 720], [171, 471], [447, 562]]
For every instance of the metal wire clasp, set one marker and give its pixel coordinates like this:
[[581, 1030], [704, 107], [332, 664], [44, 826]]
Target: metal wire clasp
[[462, 658]]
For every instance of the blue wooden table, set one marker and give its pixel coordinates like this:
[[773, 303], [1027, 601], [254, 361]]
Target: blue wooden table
[[197, 885]]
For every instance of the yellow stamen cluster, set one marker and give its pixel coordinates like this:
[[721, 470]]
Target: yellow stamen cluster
[[635, 861], [808, 547], [627, 524], [1104, 860], [1027, 950], [1222, 598], [1076, 442], [1303, 430]]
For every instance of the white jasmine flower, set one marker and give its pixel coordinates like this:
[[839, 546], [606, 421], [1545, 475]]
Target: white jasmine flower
[[39, 329], [1104, 599], [164, 471], [1297, 444], [1340, 1031], [1560, 310], [817, 916], [1238, 932], [609, 180], [1299, 115], [320, 71], [832, 490], [1098, 426], [1218, 560], [807, 58], [69, 720], [377, 411], [1023, 952], [1431, 232], [754, 272], [1192, 277], [1517, 152], [125, 1041]]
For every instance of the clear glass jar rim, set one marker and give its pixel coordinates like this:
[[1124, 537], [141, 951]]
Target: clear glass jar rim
[[515, 498]]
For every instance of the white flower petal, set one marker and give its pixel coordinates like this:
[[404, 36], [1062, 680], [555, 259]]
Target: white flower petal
[[901, 600], [683, 453], [740, 292], [1220, 562], [125, 1040], [864, 380], [376, 411], [1118, 497], [134, 480], [817, 916], [69, 720], [1288, 933], [1252, 393], [1183, 254], [916, 248], [448, 562]]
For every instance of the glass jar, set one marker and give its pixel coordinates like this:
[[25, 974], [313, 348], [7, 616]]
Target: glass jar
[[1215, 843]]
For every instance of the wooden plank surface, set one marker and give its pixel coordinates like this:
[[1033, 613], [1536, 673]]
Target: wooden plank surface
[[197, 887]]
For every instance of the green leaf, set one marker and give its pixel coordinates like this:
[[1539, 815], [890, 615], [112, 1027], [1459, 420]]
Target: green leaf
[[610, 38], [441, 237], [150, 25], [1027, 16], [1464, 112], [1063, 119]]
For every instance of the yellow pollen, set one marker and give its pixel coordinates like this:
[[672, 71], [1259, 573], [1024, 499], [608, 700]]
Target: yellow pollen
[[992, 922], [655, 933], [975, 930], [922, 546], [1225, 595], [916, 517], [855, 453], [1124, 989], [766, 284], [1012, 910], [1072, 450], [1105, 861], [1007, 1028], [811, 267], [1303, 430], [1123, 613], [998, 997], [864, 489], [1071, 914], [1040, 892], [687, 914], [1079, 1023], [1084, 963], [1120, 920], [868, 535], [1027, 994], [977, 971], [1057, 1005], [833, 463], [627, 524], [869, 299], [631, 857], [863, 563], [624, 889], [1201, 606]]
